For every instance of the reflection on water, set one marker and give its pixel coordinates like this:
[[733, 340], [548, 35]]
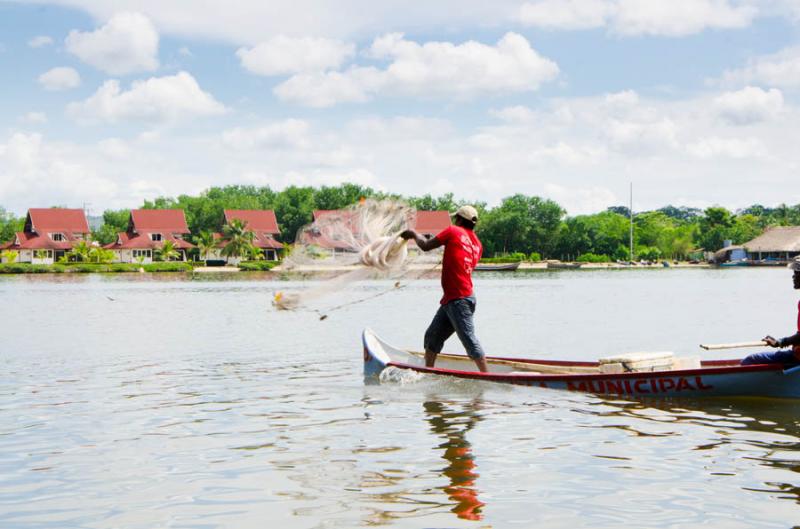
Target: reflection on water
[[452, 426], [765, 431], [192, 404]]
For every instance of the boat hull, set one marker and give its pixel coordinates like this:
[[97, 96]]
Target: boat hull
[[713, 379], [504, 267]]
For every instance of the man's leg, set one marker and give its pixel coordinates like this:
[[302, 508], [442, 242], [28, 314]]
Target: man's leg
[[770, 357], [460, 312], [438, 332]]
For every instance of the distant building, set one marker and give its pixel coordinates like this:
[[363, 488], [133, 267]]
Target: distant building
[[148, 230], [264, 226], [730, 253], [777, 243], [48, 235]]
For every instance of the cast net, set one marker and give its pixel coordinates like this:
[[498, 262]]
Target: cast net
[[344, 246]]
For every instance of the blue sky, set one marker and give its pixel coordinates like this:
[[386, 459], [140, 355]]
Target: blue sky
[[109, 103]]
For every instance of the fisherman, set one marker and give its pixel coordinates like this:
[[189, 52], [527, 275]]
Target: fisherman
[[462, 251], [788, 356]]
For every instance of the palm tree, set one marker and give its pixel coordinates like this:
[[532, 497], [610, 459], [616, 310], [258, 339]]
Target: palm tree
[[167, 252], [10, 256], [255, 253], [206, 243], [81, 251], [239, 238], [101, 255]]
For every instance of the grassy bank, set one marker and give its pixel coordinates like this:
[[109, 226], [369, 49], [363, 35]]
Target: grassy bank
[[88, 268]]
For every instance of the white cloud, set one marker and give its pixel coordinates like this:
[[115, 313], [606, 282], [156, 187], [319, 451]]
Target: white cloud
[[749, 105], [127, 43], [159, 99], [781, 69], [35, 173], [636, 17], [515, 114], [287, 55], [643, 135], [736, 148], [581, 200], [355, 85], [622, 100], [247, 22], [291, 132], [34, 118], [60, 78], [114, 148], [40, 41], [433, 69], [567, 14]]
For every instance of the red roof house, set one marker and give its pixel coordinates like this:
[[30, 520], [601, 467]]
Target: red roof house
[[148, 230], [264, 226], [48, 234]]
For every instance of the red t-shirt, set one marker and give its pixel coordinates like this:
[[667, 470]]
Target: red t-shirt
[[462, 251]]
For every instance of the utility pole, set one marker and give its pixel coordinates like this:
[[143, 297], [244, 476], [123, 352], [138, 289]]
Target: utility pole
[[630, 213]]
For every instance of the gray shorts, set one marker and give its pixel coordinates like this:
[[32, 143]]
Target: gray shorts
[[454, 317]]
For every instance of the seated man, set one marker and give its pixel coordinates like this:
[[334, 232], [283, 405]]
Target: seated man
[[787, 357]]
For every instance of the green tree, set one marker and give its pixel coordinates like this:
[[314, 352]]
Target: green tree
[[114, 221], [745, 228], [9, 225], [294, 207], [341, 196], [101, 255], [239, 240], [167, 251], [10, 256], [521, 224], [206, 243], [80, 252], [715, 228]]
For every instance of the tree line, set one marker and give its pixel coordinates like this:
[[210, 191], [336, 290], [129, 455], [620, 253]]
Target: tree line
[[520, 224]]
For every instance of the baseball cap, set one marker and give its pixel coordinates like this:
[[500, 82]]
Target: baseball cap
[[795, 264], [467, 213]]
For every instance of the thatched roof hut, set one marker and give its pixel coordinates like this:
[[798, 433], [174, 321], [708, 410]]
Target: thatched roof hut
[[777, 239]]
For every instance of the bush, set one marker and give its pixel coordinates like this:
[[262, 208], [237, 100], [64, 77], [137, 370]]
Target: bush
[[27, 268], [87, 268], [167, 266], [535, 257], [593, 258], [515, 257], [257, 266], [123, 267], [648, 253]]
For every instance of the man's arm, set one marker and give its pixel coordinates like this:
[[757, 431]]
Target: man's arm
[[783, 342], [424, 244]]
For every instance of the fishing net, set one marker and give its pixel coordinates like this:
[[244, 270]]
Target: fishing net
[[357, 243]]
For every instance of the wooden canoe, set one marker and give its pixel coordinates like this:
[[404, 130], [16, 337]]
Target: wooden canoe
[[562, 266], [500, 267], [713, 378]]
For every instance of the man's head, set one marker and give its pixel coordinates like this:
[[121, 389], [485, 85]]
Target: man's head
[[795, 266], [466, 217]]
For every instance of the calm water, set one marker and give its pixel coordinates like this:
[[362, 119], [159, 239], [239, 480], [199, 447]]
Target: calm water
[[130, 402]]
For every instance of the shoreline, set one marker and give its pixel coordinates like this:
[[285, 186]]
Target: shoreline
[[321, 271]]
